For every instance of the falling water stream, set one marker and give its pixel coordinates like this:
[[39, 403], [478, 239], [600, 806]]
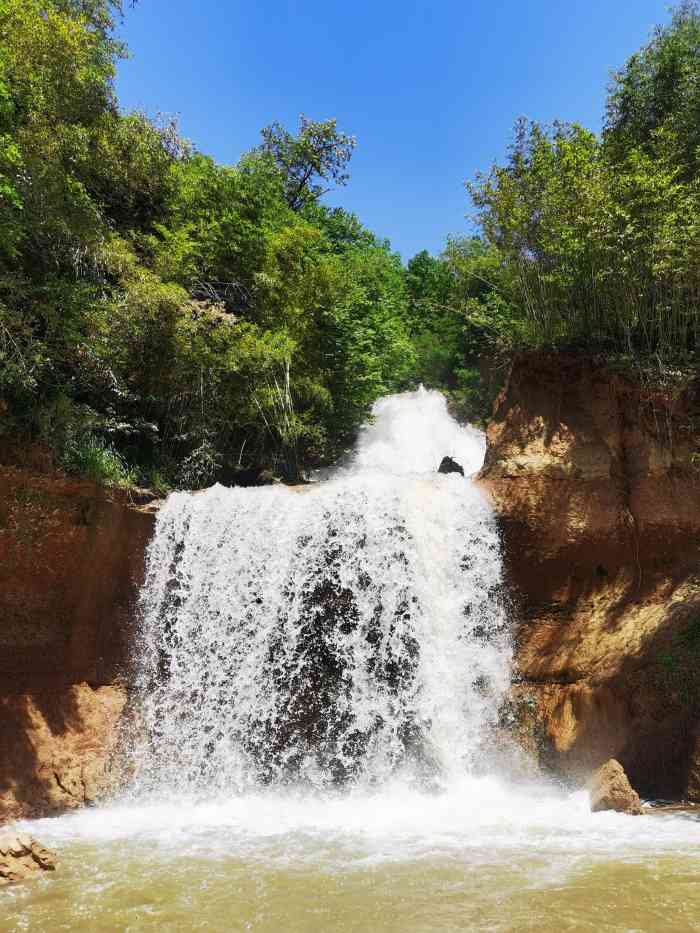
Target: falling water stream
[[349, 632], [317, 740]]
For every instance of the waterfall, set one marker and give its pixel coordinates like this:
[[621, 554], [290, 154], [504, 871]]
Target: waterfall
[[347, 632]]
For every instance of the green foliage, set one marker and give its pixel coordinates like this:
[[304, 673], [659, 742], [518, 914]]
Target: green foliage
[[600, 237], [460, 315], [316, 157], [165, 319], [655, 99], [92, 458], [276, 407], [603, 254], [159, 310], [200, 467]]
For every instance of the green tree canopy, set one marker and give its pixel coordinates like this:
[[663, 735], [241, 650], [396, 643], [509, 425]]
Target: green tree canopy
[[654, 99], [312, 162]]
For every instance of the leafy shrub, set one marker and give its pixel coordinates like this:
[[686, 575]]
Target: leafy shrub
[[601, 235], [90, 457], [199, 468]]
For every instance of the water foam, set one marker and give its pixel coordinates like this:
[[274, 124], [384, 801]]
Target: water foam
[[480, 820]]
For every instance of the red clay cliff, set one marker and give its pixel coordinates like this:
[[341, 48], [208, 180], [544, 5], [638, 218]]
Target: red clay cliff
[[596, 478]]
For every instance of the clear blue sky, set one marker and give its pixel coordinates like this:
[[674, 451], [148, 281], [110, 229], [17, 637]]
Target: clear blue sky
[[430, 89]]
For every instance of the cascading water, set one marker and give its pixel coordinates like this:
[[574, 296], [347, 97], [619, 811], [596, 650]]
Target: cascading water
[[349, 631]]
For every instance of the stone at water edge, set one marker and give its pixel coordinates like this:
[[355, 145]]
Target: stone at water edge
[[21, 857], [448, 465], [609, 789]]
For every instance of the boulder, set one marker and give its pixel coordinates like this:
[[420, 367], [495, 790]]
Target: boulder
[[21, 857], [448, 465], [609, 789]]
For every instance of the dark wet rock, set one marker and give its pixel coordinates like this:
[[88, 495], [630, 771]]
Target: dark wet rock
[[448, 465]]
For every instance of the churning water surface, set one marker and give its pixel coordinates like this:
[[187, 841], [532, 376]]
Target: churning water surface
[[320, 675]]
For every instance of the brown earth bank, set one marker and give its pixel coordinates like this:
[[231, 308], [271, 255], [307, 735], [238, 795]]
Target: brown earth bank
[[595, 474], [71, 561]]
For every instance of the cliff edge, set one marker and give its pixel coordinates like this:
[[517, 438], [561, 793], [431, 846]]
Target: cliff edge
[[595, 474], [71, 562]]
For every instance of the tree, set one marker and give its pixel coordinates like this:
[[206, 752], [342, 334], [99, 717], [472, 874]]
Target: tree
[[655, 98], [100, 14], [312, 162], [428, 279]]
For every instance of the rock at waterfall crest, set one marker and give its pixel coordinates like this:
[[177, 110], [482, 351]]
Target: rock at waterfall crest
[[448, 465]]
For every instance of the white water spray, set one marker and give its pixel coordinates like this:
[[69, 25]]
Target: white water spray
[[352, 631]]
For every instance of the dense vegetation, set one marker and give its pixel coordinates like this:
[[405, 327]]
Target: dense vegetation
[[602, 235], [170, 321]]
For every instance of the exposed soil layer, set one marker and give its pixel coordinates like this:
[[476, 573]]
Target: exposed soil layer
[[71, 561], [596, 479]]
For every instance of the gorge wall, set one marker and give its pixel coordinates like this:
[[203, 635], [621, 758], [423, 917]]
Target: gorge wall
[[597, 482], [71, 560]]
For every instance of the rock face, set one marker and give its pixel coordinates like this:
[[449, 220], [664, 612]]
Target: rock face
[[609, 789], [56, 747], [71, 561], [597, 483], [21, 857]]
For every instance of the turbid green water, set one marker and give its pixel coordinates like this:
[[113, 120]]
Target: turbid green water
[[129, 890], [482, 857]]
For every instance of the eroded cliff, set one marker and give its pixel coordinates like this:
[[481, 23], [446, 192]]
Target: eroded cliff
[[71, 559], [596, 479]]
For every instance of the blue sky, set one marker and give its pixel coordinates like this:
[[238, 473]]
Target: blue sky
[[431, 90]]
